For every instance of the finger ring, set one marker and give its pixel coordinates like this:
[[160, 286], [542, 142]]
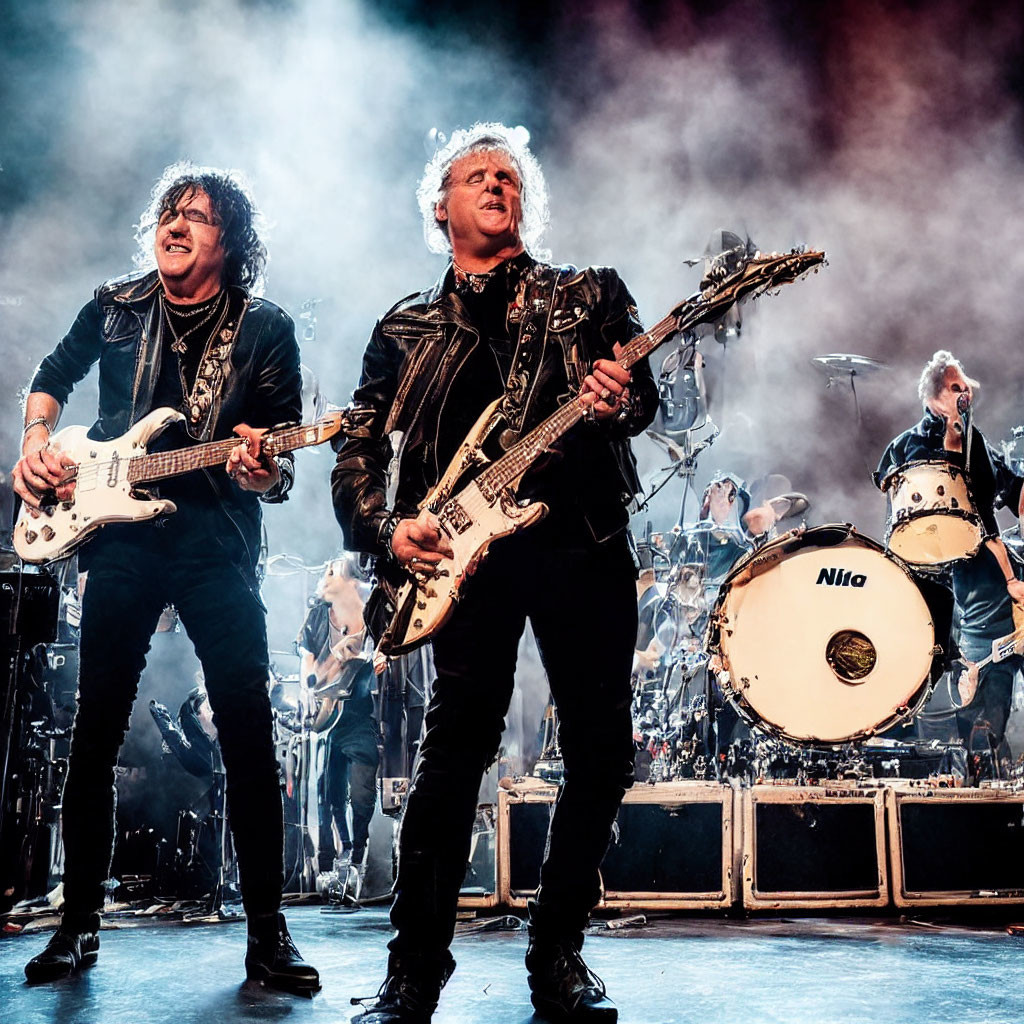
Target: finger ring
[[604, 394]]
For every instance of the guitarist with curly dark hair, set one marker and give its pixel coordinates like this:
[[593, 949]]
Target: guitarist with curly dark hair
[[187, 336]]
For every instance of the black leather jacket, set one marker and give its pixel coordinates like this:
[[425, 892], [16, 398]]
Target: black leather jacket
[[410, 363], [120, 328]]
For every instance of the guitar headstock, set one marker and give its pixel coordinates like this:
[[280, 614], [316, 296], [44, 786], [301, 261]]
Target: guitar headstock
[[737, 274]]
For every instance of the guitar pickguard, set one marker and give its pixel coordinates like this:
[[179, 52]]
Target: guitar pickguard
[[471, 524], [102, 495]]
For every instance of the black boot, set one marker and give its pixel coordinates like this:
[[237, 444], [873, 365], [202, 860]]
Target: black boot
[[562, 987], [410, 991], [272, 958], [74, 945]]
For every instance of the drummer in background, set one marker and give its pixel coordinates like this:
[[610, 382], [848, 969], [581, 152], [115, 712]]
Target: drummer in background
[[985, 588], [728, 528], [331, 643]]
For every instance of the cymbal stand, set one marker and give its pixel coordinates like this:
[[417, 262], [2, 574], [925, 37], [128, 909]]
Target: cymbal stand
[[306, 740], [851, 374]]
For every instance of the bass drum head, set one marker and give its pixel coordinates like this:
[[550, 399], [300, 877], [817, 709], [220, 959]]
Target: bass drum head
[[825, 636]]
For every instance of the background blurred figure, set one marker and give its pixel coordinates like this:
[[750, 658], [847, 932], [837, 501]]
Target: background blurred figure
[[337, 675]]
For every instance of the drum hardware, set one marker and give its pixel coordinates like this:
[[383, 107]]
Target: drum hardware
[[682, 462], [785, 506], [682, 393]]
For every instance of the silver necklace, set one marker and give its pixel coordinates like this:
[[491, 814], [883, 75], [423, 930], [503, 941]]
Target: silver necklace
[[178, 346], [199, 397]]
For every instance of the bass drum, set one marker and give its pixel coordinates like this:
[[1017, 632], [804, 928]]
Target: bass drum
[[824, 637]]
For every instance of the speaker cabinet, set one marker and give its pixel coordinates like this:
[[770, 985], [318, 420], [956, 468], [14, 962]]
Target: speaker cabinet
[[956, 846], [810, 846], [672, 846]]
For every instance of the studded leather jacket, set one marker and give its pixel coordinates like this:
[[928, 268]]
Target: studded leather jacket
[[258, 383], [413, 358]]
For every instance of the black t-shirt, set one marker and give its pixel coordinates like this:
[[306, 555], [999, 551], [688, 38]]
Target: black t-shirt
[[177, 369]]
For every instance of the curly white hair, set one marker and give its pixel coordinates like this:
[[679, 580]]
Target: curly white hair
[[482, 137], [933, 376]]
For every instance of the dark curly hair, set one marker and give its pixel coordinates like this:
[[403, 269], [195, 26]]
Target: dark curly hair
[[241, 223]]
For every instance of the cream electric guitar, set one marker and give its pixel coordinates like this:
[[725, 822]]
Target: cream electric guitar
[[1003, 648], [107, 473], [475, 501]]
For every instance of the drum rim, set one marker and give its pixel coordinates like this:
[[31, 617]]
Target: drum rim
[[954, 470], [957, 513]]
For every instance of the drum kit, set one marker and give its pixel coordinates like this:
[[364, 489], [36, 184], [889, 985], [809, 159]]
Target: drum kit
[[821, 640]]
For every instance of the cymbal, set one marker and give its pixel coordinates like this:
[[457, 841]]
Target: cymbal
[[847, 364], [785, 505]]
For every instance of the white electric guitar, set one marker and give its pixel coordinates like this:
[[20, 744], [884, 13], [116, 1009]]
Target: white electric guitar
[[475, 501], [1002, 648], [107, 473]]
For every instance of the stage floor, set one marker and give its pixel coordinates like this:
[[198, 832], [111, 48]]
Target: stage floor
[[791, 971]]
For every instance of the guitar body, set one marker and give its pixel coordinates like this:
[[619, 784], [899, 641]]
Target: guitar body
[[102, 494], [109, 475], [471, 522]]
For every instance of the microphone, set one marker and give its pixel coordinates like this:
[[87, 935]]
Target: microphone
[[963, 404]]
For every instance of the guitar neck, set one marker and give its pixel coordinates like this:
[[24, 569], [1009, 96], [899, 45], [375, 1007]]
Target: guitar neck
[[161, 465], [525, 452], [755, 275], [644, 344]]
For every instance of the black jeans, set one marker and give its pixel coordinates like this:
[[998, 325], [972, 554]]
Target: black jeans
[[580, 598], [134, 570], [347, 776]]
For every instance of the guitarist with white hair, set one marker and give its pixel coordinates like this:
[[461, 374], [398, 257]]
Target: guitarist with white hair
[[501, 324], [187, 333]]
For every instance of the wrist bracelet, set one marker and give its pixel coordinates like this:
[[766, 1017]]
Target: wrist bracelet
[[35, 423]]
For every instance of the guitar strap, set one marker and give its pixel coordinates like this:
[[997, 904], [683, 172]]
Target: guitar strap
[[533, 310], [202, 401]]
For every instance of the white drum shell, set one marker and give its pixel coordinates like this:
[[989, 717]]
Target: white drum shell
[[932, 519], [774, 627]]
